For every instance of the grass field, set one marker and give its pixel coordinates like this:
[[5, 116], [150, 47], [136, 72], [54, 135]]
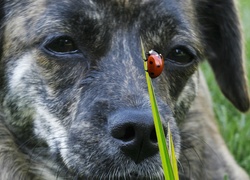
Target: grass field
[[234, 126]]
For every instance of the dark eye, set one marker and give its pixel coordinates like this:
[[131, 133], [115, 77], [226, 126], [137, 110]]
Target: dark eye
[[63, 45], [180, 56]]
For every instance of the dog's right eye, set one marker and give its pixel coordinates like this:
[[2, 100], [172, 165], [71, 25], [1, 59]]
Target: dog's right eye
[[62, 45]]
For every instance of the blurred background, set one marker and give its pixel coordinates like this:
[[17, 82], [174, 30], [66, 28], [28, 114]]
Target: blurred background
[[234, 126]]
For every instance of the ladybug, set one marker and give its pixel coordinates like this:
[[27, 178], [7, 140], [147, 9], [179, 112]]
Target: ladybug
[[155, 63]]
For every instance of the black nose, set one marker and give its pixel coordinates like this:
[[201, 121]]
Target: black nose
[[135, 133]]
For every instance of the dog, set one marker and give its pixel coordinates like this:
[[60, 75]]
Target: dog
[[74, 99]]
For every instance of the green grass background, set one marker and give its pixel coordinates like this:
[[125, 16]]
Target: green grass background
[[234, 126]]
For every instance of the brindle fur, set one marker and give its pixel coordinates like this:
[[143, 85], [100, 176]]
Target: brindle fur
[[58, 110]]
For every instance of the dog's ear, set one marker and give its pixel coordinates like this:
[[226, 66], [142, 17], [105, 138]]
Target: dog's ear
[[221, 33]]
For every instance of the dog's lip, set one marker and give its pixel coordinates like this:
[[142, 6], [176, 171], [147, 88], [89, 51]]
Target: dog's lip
[[128, 171], [130, 176]]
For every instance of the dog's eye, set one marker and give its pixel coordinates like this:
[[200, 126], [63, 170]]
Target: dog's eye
[[180, 56], [62, 45]]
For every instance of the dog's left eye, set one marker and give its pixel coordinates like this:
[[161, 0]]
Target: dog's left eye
[[62, 45], [180, 56]]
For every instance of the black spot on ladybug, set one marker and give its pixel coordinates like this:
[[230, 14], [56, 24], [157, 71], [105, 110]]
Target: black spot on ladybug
[[151, 62]]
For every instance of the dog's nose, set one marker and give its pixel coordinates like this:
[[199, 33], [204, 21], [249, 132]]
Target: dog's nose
[[134, 133]]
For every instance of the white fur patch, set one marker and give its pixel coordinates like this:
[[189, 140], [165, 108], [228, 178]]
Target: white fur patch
[[23, 65], [49, 128]]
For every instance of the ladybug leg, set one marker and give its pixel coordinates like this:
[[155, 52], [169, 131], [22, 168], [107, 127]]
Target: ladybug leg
[[147, 55]]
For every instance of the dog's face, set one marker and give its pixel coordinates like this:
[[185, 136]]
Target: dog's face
[[74, 80]]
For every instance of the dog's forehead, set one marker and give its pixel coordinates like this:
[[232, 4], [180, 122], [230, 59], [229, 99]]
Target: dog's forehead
[[131, 9], [151, 7], [114, 10], [156, 19]]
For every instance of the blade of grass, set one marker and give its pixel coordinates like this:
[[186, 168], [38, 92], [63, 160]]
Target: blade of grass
[[172, 154], [166, 164]]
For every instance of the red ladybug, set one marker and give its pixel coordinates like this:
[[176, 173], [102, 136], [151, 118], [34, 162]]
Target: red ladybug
[[155, 63]]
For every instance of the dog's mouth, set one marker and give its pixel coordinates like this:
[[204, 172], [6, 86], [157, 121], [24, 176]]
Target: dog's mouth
[[133, 175], [114, 167], [128, 172]]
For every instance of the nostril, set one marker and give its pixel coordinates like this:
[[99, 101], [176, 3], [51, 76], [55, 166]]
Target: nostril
[[125, 134], [153, 137], [129, 134]]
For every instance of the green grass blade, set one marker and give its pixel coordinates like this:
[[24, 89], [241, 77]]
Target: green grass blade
[[166, 164], [172, 154]]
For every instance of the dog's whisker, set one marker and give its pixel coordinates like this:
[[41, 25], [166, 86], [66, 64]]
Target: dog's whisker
[[203, 142]]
